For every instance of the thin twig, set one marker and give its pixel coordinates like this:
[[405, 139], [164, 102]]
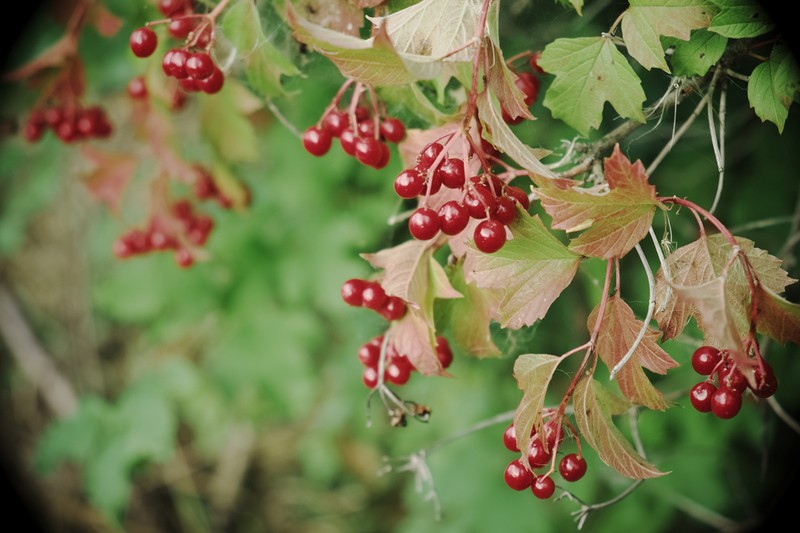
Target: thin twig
[[719, 150], [283, 120]]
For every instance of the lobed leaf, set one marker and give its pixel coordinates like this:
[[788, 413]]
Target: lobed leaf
[[470, 317], [594, 407], [740, 19], [778, 318], [529, 272], [616, 220], [695, 56], [590, 71], [646, 21], [533, 373], [772, 86]]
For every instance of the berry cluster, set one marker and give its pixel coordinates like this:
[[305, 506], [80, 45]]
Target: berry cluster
[[572, 466], [362, 135], [397, 367], [721, 393], [191, 63], [205, 188], [70, 123], [485, 197], [370, 294]]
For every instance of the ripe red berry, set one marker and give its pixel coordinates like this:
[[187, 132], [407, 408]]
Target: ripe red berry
[[137, 88], [143, 42], [543, 487], [725, 402], [373, 296], [392, 130], [394, 308], [766, 384], [181, 27], [353, 291], [199, 65], [504, 211], [529, 85], [335, 122], [347, 139], [443, 352], [370, 377], [171, 7], [490, 236], [701, 394], [572, 467], [398, 371], [317, 141], [451, 173], [537, 455], [479, 200], [705, 360], [534, 62], [177, 63], [184, 258], [368, 151], [510, 439], [409, 183], [517, 476], [212, 84], [730, 376], [424, 224], [429, 154], [518, 195], [453, 217], [369, 354]]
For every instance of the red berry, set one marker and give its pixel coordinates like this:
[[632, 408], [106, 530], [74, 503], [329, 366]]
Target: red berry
[[181, 27], [32, 132], [143, 42], [731, 377], [385, 156], [424, 224], [212, 84], [335, 122], [366, 128], [453, 217], [137, 88], [518, 195], [373, 296], [504, 211], [184, 258], [370, 377], [766, 382], [429, 155], [171, 7], [398, 371], [572, 467], [529, 85], [725, 402], [534, 62], [317, 141], [393, 309], [392, 130], [348, 141], [490, 236], [368, 151], [543, 487], [510, 439], [537, 455], [352, 292], [409, 183], [517, 476], [705, 360], [177, 63], [443, 352], [701, 394], [451, 173], [199, 65], [369, 354], [479, 200]]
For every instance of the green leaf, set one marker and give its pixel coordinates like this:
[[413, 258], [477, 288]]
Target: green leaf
[[740, 19], [590, 71], [412, 97], [594, 406], [695, 56], [72, 439], [647, 20], [530, 271], [470, 317], [264, 64], [577, 5], [772, 86], [533, 373], [228, 130]]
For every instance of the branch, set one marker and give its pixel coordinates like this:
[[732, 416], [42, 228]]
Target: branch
[[35, 362]]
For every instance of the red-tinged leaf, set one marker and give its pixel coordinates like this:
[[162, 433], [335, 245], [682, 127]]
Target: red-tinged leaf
[[470, 317], [778, 318], [529, 271], [618, 331], [688, 265], [615, 220], [103, 20], [111, 173], [336, 15], [533, 373], [413, 336], [502, 82], [411, 273], [594, 407], [55, 56], [712, 313]]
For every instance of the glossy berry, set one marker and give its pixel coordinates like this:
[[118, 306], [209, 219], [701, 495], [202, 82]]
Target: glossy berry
[[398, 371], [725, 402], [392, 130], [369, 354], [504, 211], [353, 292], [518, 195], [394, 308], [373, 296], [453, 217], [705, 360], [409, 183], [171, 7], [181, 27], [347, 139], [479, 200], [370, 377], [443, 352], [701, 394], [143, 42], [316, 141], [529, 85], [766, 384], [199, 65], [451, 173], [510, 439], [490, 236], [368, 151], [517, 476], [212, 84], [537, 455], [429, 155], [335, 122], [543, 487], [137, 88], [731, 377], [572, 467], [424, 224]]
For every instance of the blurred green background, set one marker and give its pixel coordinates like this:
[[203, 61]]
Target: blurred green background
[[228, 396]]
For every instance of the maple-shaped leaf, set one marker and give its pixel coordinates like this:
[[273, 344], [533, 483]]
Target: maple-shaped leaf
[[373, 61], [741, 19], [111, 174], [533, 373], [497, 132], [594, 407], [712, 311], [772, 86], [695, 56], [529, 271], [590, 71], [413, 337], [469, 317], [614, 221], [264, 64], [618, 331], [778, 318], [646, 21]]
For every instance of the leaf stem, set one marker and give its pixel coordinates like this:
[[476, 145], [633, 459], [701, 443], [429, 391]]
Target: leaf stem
[[719, 153], [476, 65]]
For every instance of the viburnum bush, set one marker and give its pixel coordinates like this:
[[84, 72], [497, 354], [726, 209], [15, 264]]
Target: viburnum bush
[[498, 217]]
